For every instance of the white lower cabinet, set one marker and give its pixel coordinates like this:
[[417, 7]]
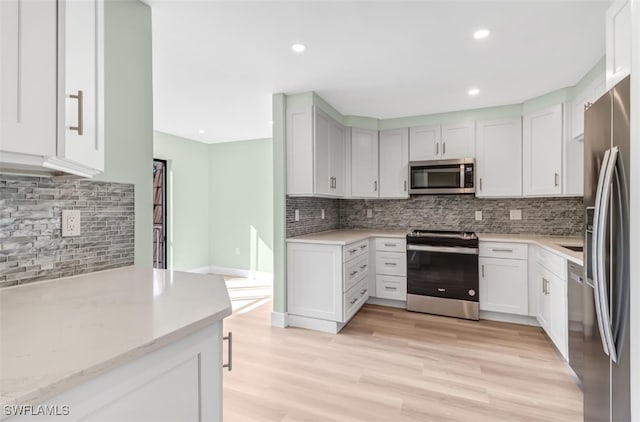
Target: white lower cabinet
[[504, 278], [181, 374], [391, 268], [551, 284], [326, 284]]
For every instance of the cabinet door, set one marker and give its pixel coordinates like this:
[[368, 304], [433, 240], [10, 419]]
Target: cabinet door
[[81, 99], [364, 163], [577, 113], [394, 163], [323, 179], [337, 134], [542, 152], [559, 330], [503, 285], [300, 151], [618, 42], [499, 158], [28, 81], [424, 143], [544, 306], [458, 140]]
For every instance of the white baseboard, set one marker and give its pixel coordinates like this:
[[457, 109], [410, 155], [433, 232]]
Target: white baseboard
[[513, 319], [331, 327], [279, 319], [238, 272], [402, 304]]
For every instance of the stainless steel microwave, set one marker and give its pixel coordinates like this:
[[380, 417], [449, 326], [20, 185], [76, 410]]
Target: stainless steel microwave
[[442, 176]]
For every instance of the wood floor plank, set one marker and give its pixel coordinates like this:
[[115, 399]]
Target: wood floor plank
[[392, 365]]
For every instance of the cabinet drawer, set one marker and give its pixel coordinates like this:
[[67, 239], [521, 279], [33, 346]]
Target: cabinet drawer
[[391, 287], [552, 262], [391, 263], [355, 250], [389, 244], [354, 299], [503, 250], [355, 270]]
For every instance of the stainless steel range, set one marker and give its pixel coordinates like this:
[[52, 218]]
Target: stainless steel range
[[442, 273]]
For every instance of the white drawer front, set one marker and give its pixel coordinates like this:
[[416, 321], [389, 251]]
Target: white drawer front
[[355, 250], [391, 287], [552, 262], [354, 299], [390, 244], [503, 250], [391, 263], [355, 270]]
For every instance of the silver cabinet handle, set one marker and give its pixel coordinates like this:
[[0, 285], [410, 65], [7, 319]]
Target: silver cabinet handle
[[437, 148], [482, 270], [364, 291], [335, 182], [405, 185], [481, 183], [352, 273], [362, 267], [353, 250], [375, 186], [440, 289], [353, 301], [501, 250], [389, 245], [556, 179], [390, 288], [444, 148], [229, 338], [392, 264], [363, 246], [80, 97]]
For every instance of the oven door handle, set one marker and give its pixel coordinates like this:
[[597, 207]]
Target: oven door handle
[[444, 249]]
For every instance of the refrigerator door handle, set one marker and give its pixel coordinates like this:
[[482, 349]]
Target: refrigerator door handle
[[603, 280], [595, 248]]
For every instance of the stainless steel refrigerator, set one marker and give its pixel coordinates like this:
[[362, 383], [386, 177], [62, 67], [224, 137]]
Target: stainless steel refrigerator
[[604, 365]]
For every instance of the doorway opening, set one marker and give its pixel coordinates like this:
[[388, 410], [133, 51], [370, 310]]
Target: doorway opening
[[159, 214]]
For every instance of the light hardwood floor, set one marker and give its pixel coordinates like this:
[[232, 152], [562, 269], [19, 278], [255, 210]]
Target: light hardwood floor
[[393, 365]]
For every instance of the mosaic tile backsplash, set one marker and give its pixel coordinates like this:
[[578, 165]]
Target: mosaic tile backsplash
[[544, 216], [311, 220], [31, 244]]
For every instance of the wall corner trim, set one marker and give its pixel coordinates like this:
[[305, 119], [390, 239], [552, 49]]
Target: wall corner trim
[[279, 319]]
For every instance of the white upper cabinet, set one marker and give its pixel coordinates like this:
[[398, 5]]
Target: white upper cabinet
[[587, 95], [542, 152], [394, 163], [315, 153], [458, 140], [499, 158], [364, 163], [52, 86], [424, 143], [618, 41]]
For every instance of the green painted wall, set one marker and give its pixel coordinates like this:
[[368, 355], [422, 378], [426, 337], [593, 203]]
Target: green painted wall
[[129, 111], [241, 205], [187, 199]]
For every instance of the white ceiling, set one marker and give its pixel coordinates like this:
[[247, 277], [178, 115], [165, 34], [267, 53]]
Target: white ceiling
[[217, 63]]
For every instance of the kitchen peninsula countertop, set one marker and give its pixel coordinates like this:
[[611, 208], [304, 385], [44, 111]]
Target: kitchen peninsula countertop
[[57, 334], [344, 237]]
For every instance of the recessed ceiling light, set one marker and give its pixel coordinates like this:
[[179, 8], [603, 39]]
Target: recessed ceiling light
[[473, 91], [201, 131], [298, 48], [481, 34]]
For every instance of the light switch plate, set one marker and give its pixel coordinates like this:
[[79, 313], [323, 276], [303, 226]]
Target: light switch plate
[[478, 215], [296, 215], [515, 215], [70, 223], [369, 213]]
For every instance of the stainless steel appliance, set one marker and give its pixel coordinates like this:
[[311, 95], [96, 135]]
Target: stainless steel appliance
[[605, 318], [442, 273], [442, 176]]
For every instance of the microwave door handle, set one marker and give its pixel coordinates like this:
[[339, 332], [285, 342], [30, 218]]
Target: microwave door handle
[[595, 250], [462, 176]]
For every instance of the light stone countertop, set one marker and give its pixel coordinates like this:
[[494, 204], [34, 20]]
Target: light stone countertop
[[57, 334], [345, 237]]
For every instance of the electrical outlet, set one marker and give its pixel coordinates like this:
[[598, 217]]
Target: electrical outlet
[[478, 215], [296, 215], [322, 214], [515, 215], [369, 213], [70, 223], [237, 251]]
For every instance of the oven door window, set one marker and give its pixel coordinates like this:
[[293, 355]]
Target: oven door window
[[438, 177], [442, 274]]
